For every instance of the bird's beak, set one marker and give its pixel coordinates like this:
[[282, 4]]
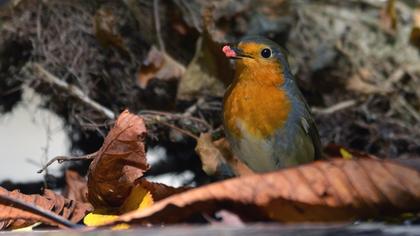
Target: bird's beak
[[234, 53]]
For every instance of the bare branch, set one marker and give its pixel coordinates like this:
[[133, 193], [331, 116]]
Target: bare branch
[[61, 159], [334, 108], [411, 110], [157, 25], [182, 131], [71, 90]]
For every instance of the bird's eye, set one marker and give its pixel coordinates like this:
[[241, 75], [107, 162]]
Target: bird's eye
[[266, 53]]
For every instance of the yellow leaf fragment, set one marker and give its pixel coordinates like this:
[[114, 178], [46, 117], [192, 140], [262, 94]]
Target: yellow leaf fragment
[[346, 154], [139, 199], [97, 219]]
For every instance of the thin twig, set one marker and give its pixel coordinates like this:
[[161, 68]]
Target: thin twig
[[174, 116], [336, 107], [183, 131], [193, 108], [157, 25], [72, 90], [416, 115], [61, 159], [21, 205]]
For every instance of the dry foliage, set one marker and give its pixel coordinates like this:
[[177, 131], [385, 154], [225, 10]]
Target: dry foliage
[[13, 217], [208, 73], [114, 184], [415, 31], [339, 51], [217, 158], [331, 190], [159, 65], [76, 187], [159, 191], [120, 161], [336, 190]]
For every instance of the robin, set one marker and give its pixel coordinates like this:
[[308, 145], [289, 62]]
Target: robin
[[266, 118]]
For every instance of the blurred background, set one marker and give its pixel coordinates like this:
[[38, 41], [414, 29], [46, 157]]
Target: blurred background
[[67, 67]]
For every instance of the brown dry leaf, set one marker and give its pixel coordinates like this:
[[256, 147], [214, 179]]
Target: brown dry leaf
[[14, 218], [120, 161], [361, 82], [160, 191], [142, 195], [388, 17], [332, 190], [217, 158], [105, 23], [208, 73], [76, 187], [138, 199], [67, 208], [159, 65], [415, 31]]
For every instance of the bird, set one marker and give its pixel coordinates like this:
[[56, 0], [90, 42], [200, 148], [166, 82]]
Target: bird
[[266, 119]]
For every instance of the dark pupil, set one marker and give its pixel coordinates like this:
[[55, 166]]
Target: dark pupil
[[266, 53]]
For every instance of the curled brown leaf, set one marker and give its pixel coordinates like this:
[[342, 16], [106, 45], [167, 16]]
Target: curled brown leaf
[[120, 161]]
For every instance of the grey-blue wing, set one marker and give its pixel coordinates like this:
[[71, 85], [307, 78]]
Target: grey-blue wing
[[307, 122], [310, 128]]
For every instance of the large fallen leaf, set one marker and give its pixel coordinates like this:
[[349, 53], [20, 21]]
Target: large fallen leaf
[[159, 65], [333, 190], [120, 161], [160, 191], [13, 217]]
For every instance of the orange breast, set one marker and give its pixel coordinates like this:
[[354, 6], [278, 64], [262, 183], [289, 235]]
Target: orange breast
[[259, 107]]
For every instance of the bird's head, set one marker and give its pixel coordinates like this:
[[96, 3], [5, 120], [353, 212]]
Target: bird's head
[[255, 54]]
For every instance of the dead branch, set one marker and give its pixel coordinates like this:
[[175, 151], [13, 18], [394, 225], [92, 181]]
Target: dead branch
[[61, 159], [334, 108], [157, 25], [412, 111], [71, 90], [161, 115], [183, 131], [193, 108]]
